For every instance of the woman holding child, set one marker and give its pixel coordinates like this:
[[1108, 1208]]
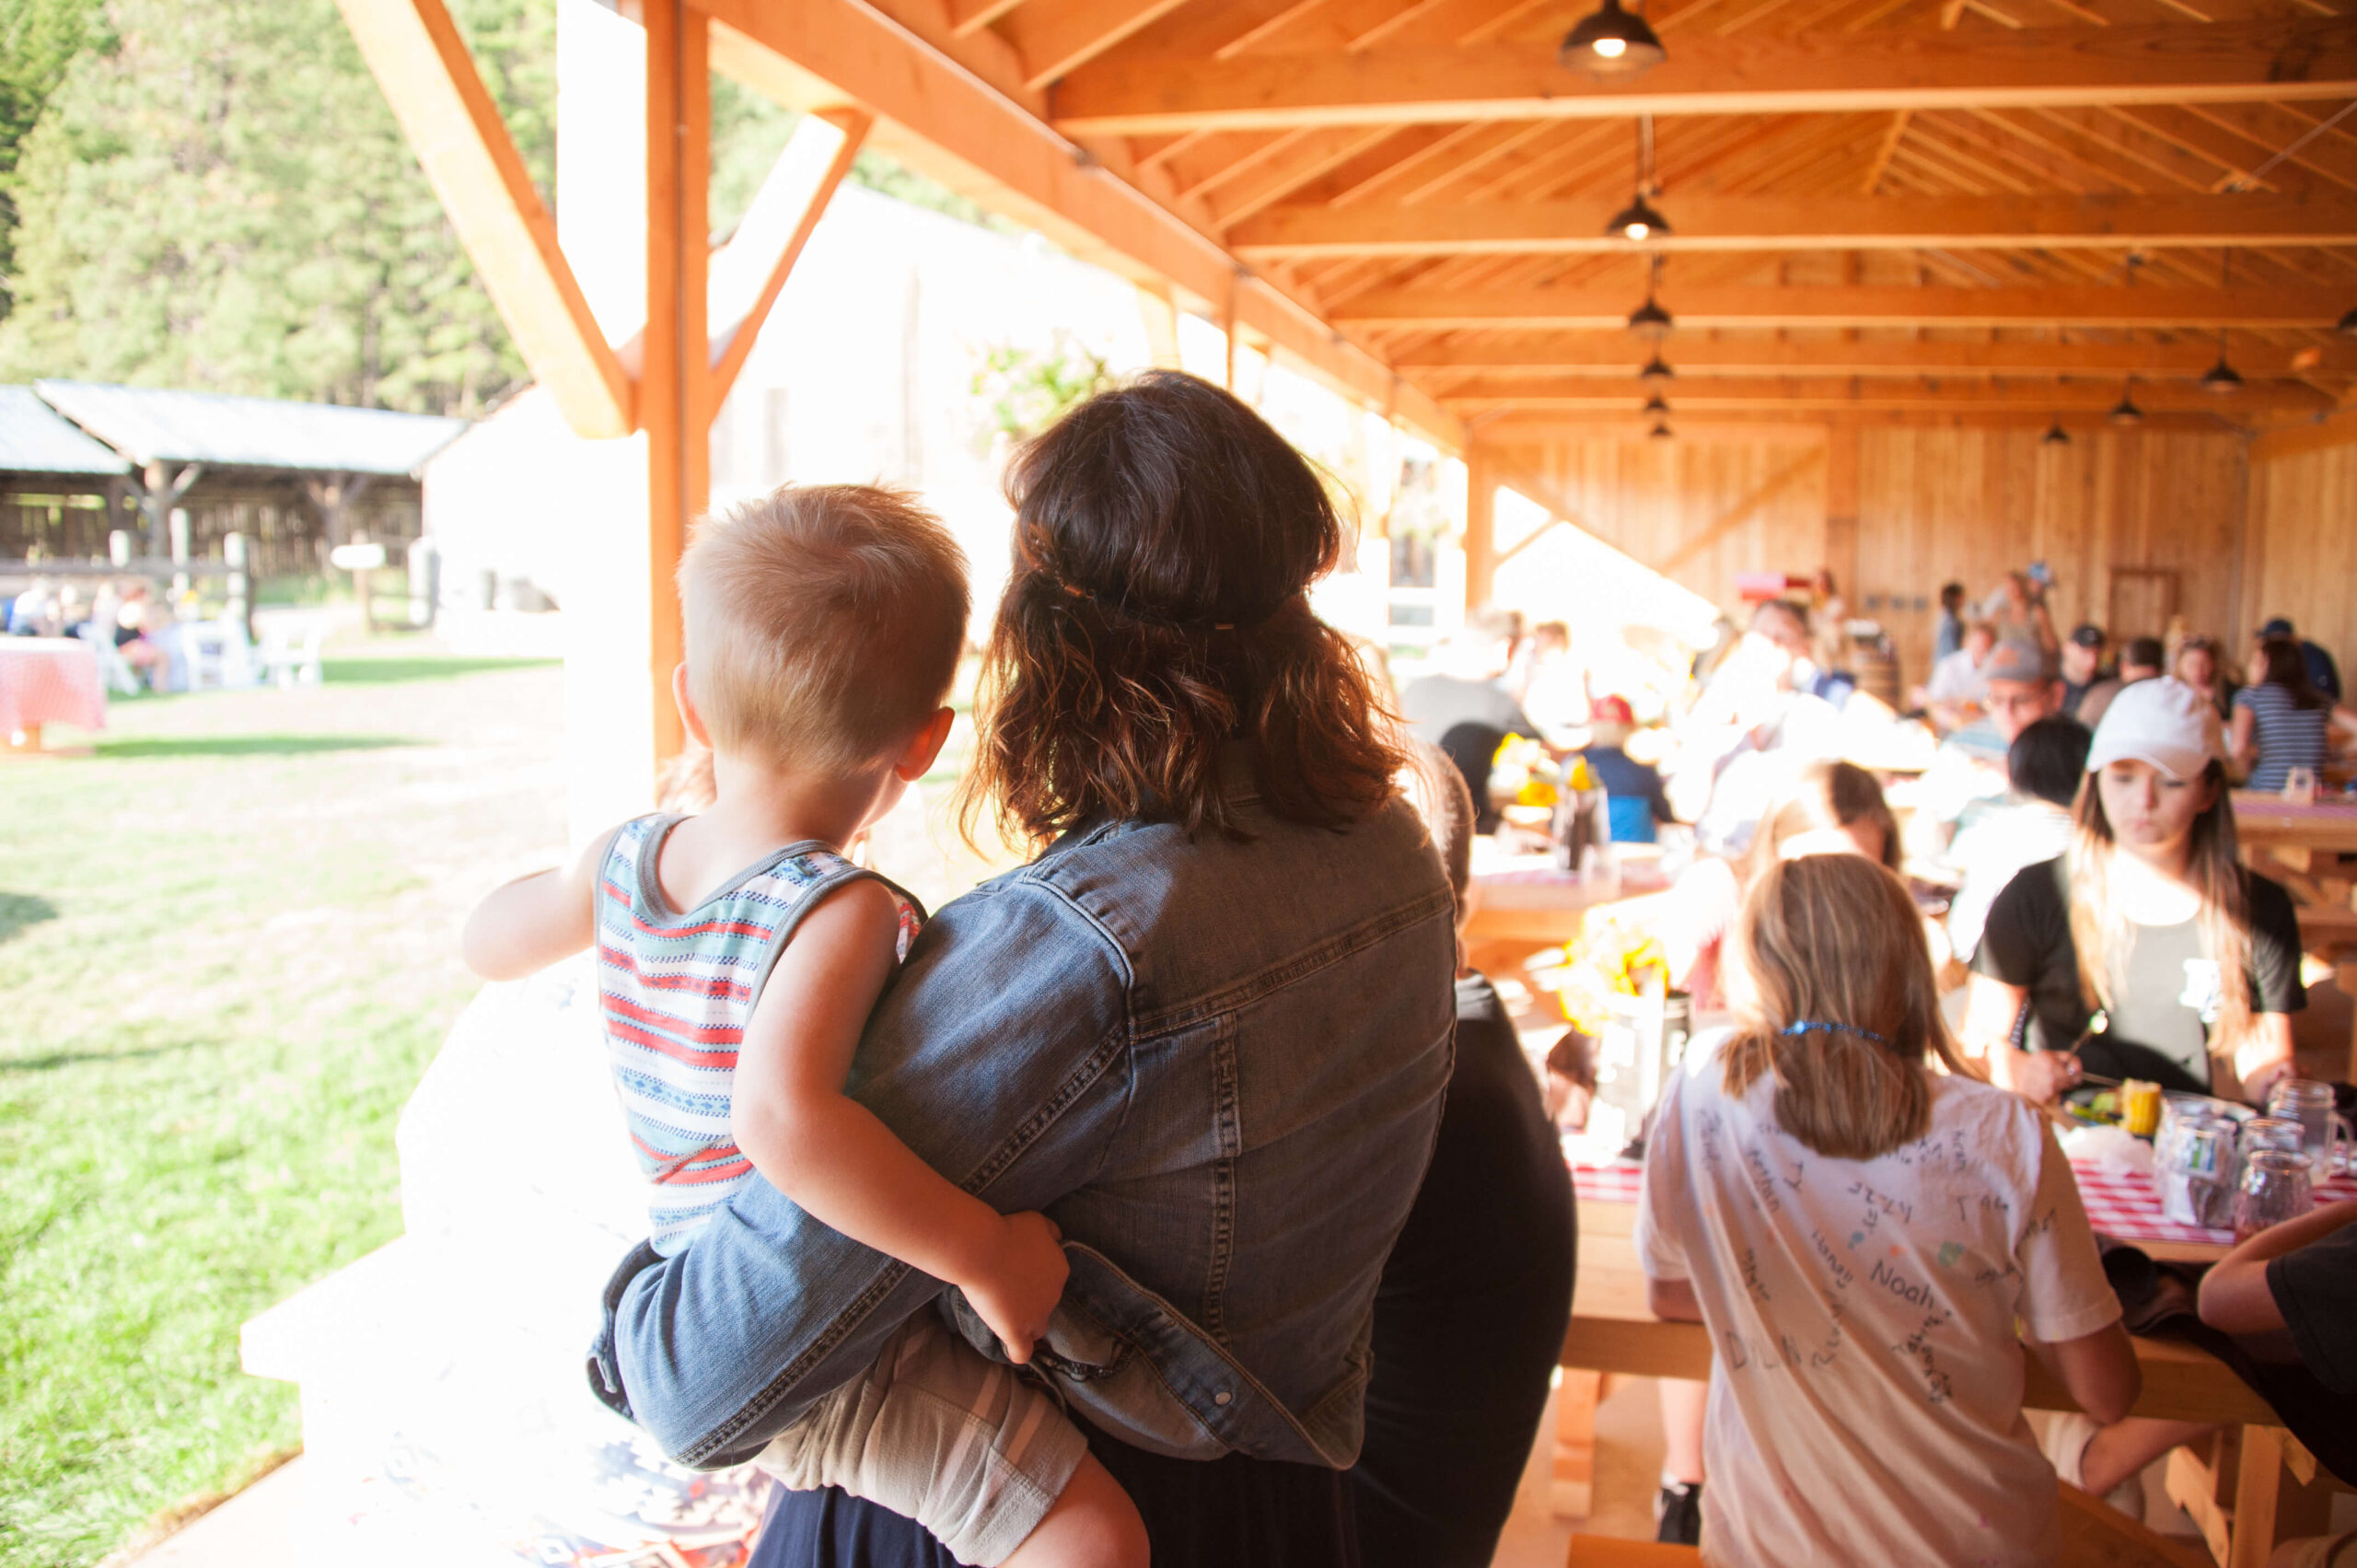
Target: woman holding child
[[1205, 1033]]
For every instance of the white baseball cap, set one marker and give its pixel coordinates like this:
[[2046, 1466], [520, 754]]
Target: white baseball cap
[[2163, 722]]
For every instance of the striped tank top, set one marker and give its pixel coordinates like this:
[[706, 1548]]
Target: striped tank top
[[2289, 735], [674, 989]]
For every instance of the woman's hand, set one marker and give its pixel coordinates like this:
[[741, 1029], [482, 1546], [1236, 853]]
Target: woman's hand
[[1015, 1291], [2037, 1075]]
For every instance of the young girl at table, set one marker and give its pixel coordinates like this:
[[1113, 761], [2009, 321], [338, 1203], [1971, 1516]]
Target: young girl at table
[[1861, 1232], [2146, 950]]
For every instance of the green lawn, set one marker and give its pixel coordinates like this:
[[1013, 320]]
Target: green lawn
[[226, 952]]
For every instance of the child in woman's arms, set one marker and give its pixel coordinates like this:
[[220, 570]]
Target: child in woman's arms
[[738, 955]]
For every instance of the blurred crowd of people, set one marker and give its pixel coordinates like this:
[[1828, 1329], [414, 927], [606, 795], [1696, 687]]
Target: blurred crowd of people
[[124, 612]]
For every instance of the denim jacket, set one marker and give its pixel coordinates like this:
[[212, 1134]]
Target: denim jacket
[[1216, 1065]]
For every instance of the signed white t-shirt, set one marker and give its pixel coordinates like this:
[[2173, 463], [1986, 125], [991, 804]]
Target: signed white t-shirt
[[1865, 1399]]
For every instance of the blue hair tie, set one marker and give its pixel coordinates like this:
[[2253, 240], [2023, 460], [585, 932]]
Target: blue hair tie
[[1812, 1026]]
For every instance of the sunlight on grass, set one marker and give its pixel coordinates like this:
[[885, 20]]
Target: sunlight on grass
[[225, 958]]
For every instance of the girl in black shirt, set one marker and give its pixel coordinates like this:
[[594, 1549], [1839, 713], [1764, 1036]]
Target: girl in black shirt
[[2146, 950]]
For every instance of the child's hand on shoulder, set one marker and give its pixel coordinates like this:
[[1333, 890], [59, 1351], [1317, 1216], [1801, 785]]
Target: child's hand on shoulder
[[1018, 1288]]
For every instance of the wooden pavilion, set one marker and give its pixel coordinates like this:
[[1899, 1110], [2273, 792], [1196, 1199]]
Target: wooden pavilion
[[1915, 256]]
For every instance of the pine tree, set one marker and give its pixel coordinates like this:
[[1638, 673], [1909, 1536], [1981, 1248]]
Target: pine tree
[[38, 40], [216, 196]]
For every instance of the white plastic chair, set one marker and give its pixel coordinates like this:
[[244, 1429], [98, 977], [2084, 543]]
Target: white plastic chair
[[113, 668], [219, 655], [290, 651]]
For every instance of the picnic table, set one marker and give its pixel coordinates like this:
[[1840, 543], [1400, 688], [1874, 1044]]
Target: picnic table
[[2269, 822], [1525, 903], [1614, 1331], [46, 680]]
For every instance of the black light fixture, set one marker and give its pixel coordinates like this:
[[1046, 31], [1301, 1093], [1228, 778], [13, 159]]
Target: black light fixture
[[2348, 327], [2125, 411], [1656, 373], [2056, 436], [1612, 42], [1640, 220], [1649, 320], [2222, 377], [1660, 432], [1656, 405]]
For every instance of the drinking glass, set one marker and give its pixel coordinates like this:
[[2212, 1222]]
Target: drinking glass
[[2325, 1135], [2299, 785], [2274, 1188]]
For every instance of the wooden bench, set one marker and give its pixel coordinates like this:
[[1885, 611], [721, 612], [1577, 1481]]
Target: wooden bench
[[2094, 1536]]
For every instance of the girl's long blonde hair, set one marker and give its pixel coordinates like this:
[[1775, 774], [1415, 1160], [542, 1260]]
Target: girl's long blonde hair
[[1835, 941], [2098, 929]]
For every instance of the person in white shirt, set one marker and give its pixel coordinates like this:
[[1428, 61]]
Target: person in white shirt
[[1861, 1232], [1959, 685]]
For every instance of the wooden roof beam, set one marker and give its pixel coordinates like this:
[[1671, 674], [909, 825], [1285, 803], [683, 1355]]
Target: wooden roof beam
[[934, 114], [420, 63], [1757, 222], [1860, 305], [1848, 73], [1833, 392], [1614, 353]]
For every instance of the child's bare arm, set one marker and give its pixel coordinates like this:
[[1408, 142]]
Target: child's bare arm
[[534, 921], [831, 1155]]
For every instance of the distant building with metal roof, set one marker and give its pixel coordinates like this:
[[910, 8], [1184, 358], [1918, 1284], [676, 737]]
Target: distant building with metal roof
[[150, 424], [34, 438], [81, 462]]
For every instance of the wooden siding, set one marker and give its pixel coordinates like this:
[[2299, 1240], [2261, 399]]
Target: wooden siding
[[2303, 559], [1934, 504]]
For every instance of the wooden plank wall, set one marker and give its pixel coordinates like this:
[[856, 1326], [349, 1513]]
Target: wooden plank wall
[[2303, 553], [1934, 504]]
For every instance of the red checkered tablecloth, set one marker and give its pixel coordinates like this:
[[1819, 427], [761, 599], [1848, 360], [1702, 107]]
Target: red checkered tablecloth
[[2120, 1205], [49, 680]]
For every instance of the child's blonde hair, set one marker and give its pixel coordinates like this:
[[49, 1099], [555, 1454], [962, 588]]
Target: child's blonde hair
[[1833, 948], [822, 623]]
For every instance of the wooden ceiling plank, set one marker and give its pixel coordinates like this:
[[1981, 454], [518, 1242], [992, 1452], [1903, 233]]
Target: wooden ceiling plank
[[1860, 73], [1056, 37], [1609, 353], [1880, 164], [1271, 179], [1771, 223], [1865, 305], [2086, 394]]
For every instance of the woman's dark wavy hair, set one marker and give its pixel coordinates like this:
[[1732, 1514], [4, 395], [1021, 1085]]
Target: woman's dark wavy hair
[[1164, 537]]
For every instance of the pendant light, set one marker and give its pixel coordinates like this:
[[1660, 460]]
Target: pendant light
[[1612, 42], [1656, 374], [2056, 436], [1656, 406], [1640, 220], [1649, 320], [1660, 432], [2348, 327], [2222, 377], [2125, 412]]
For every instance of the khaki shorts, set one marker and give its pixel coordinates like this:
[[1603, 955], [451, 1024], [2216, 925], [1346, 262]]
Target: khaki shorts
[[970, 1449]]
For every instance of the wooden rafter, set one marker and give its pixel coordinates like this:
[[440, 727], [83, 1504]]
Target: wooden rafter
[[1612, 353], [1750, 224], [1055, 36], [1835, 393], [420, 63], [1865, 305], [1856, 73]]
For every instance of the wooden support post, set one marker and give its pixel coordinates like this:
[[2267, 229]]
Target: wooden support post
[[2272, 1504], [1570, 1489], [1480, 528], [675, 377]]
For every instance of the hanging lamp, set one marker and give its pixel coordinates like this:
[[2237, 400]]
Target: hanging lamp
[[1655, 374], [1660, 432], [1612, 42], [2125, 411], [2348, 327], [1656, 405], [2056, 436], [2222, 377], [1640, 219], [1649, 320]]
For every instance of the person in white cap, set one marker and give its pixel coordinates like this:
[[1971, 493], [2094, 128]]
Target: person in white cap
[[2146, 950]]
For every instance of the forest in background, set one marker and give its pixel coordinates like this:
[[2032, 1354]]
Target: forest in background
[[215, 197]]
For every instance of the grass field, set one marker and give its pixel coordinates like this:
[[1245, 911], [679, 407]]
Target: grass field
[[227, 951]]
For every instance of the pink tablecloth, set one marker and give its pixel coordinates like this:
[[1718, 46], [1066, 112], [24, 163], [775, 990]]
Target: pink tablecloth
[[2125, 1206], [50, 680]]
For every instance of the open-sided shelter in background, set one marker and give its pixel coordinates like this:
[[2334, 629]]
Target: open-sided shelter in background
[[1946, 281]]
